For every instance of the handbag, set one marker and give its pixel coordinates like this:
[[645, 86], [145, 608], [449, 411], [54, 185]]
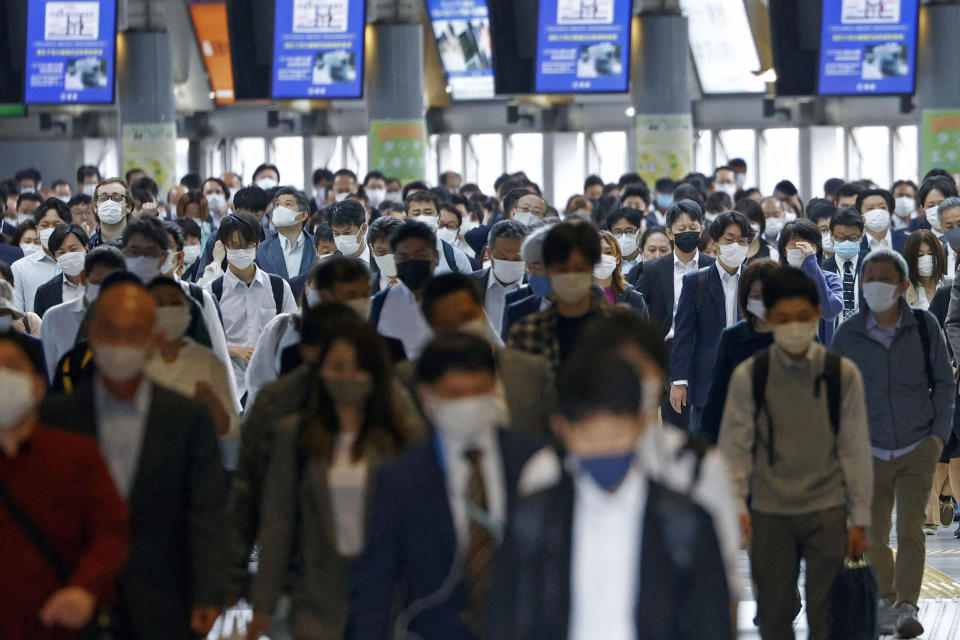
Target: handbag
[[100, 627], [854, 603]]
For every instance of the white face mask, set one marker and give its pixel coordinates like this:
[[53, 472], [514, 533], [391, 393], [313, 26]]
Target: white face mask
[[320, 195], [795, 257], [729, 189], [476, 327], [905, 206], [361, 306], [571, 287], [18, 397], [347, 245], [216, 201], [430, 221], [6, 323], [466, 419], [72, 263], [605, 268], [789, 216], [525, 217], [119, 363], [732, 255], [447, 235], [508, 271], [757, 308], [190, 254], [795, 337], [169, 266], [30, 248], [933, 217], [241, 258], [284, 217], [313, 298], [111, 212], [90, 293], [266, 183], [879, 296], [88, 189], [45, 238], [144, 268], [27, 190], [376, 196], [755, 226], [469, 224], [774, 225], [925, 266], [62, 198], [826, 240], [628, 243], [173, 321], [343, 195], [876, 220], [393, 196], [387, 265]]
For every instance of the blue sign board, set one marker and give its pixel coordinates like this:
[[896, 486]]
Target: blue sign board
[[318, 49], [868, 47], [71, 48], [583, 46], [462, 31]]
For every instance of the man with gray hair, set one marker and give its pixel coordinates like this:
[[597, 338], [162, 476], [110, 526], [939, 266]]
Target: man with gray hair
[[533, 296], [910, 395], [505, 273]]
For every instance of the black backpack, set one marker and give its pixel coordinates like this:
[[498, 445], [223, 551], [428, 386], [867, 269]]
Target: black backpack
[[276, 283]]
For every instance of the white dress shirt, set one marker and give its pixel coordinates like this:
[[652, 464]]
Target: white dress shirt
[[29, 274], [885, 243], [264, 366], [627, 265], [457, 470], [293, 253], [460, 258], [605, 557], [679, 270], [120, 430], [70, 291], [841, 265], [402, 319], [730, 281], [218, 339], [495, 297], [59, 331]]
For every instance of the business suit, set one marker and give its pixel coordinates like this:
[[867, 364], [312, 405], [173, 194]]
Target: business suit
[[412, 544], [656, 285], [682, 589], [517, 305], [176, 511], [270, 256], [9, 253], [898, 239], [632, 298], [49, 294]]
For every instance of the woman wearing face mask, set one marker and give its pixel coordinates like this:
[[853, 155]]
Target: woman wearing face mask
[[928, 268], [450, 229], [801, 247], [933, 191], [217, 195], [607, 276], [739, 342], [186, 366], [193, 204], [26, 238], [320, 481]]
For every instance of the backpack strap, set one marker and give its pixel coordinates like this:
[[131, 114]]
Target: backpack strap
[[832, 367], [217, 288], [450, 256], [37, 537], [276, 283], [921, 319], [197, 293], [761, 371], [699, 447], [376, 306]]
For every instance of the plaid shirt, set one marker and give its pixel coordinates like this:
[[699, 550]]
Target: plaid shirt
[[537, 333]]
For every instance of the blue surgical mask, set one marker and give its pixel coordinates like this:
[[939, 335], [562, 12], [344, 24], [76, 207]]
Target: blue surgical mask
[[608, 471], [540, 285], [664, 200], [846, 250]]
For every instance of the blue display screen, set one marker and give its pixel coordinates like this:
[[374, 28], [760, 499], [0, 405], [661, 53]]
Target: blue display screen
[[462, 31], [71, 50], [318, 49], [583, 46], [868, 47]]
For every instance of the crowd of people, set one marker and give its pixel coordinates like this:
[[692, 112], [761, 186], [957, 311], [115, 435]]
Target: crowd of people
[[383, 410]]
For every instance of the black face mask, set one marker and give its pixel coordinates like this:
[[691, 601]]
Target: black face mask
[[687, 241], [414, 273]]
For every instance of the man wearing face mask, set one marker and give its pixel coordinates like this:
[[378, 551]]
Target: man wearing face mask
[[383, 268], [344, 184], [217, 194], [88, 177], [876, 206], [725, 181], [442, 505], [786, 192], [35, 270], [424, 206], [322, 181], [802, 449], [375, 186], [161, 451], [28, 180], [289, 253], [266, 176], [846, 230], [902, 355], [348, 223], [905, 197], [708, 305], [112, 205], [59, 485], [535, 295], [69, 246], [626, 226], [570, 253], [252, 200], [506, 271]]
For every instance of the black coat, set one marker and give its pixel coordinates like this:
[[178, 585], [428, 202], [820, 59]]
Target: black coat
[[49, 294], [656, 285]]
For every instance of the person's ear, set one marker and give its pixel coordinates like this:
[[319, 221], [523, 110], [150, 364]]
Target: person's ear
[[436, 259]]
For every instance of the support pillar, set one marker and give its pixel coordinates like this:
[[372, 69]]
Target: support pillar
[[937, 99]]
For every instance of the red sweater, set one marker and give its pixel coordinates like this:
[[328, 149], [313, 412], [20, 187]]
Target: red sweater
[[62, 483]]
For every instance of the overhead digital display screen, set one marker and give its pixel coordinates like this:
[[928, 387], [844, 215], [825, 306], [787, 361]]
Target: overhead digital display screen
[[462, 31], [868, 47], [71, 51], [318, 49], [583, 46], [722, 45]]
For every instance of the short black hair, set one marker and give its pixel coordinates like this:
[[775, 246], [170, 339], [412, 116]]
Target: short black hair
[[58, 205], [588, 385], [737, 163], [423, 196], [374, 174], [321, 320], [689, 191], [631, 178], [57, 183], [104, 255], [883, 193], [60, 234], [173, 229], [322, 174], [149, 184], [633, 216], [251, 198], [302, 201], [789, 282], [944, 185], [683, 207], [338, 269], [32, 196], [727, 219], [189, 228], [444, 285], [345, 172], [243, 223], [506, 229], [635, 189], [383, 227], [79, 199], [346, 213], [28, 174], [323, 232], [513, 196], [87, 170], [223, 186], [150, 227], [191, 181], [413, 229], [130, 173], [832, 186], [848, 189], [803, 229], [665, 185], [410, 186], [565, 237], [455, 352], [24, 343], [820, 210], [848, 217], [592, 181], [786, 187], [718, 202], [265, 167]]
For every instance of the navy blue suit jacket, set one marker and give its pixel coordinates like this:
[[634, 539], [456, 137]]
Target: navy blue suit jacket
[[270, 257], [6, 228], [897, 240], [9, 253], [411, 545], [518, 309], [656, 285], [49, 294], [697, 334]]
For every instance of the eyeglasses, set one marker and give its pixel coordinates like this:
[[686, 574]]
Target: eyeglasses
[[132, 252], [116, 197]]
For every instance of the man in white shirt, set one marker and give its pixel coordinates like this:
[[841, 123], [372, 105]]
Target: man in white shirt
[[626, 225], [289, 253], [876, 207], [348, 223], [506, 271], [68, 243], [30, 272], [383, 264], [424, 207], [846, 229]]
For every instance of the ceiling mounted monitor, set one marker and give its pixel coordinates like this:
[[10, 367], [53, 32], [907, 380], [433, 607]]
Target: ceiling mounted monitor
[[461, 29], [723, 48]]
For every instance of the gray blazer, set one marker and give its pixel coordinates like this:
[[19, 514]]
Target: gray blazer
[[296, 523]]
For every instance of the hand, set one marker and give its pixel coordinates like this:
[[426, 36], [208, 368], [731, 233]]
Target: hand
[[148, 209], [203, 393], [807, 248], [258, 626], [244, 353], [678, 397], [219, 252], [856, 542], [745, 529], [70, 607], [202, 618]]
